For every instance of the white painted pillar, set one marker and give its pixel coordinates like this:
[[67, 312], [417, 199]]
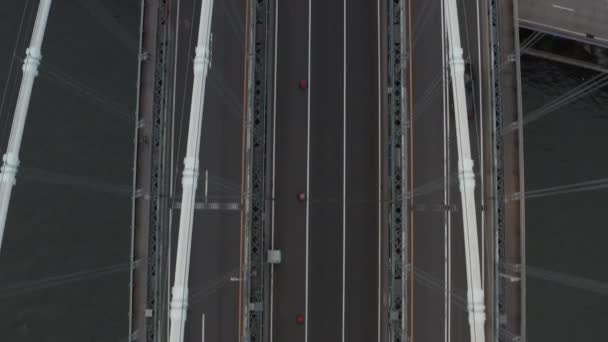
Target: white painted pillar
[[10, 160], [466, 177], [179, 299]]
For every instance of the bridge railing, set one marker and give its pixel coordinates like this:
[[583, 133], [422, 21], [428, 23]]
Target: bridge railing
[[254, 273], [396, 54], [508, 300]]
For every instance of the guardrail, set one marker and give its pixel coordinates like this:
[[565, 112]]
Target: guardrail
[[149, 234], [255, 270], [509, 320], [397, 171]]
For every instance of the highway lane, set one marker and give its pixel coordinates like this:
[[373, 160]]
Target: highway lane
[[576, 19], [326, 142], [428, 156], [290, 118], [362, 164], [216, 236], [326, 172]]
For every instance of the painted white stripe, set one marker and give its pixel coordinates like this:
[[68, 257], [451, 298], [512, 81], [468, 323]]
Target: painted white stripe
[[379, 175], [274, 140], [447, 335], [344, 175], [206, 184], [203, 332], [563, 8], [307, 173]]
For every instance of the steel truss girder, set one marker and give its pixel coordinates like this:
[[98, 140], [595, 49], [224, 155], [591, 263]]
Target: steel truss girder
[[152, 171], [498, 172], [256, 214], [397, 174]]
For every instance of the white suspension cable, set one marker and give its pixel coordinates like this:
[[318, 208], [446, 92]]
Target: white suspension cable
[[475, 294], [7, 84], [179, 294], [49, 177], [54, 281], [10, 160]]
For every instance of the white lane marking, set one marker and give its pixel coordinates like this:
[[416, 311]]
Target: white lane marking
[[274, 140], [344, 175], [203, 335], [206, 184], [379, 175], [446, 197], [563, 8], [307, 174]]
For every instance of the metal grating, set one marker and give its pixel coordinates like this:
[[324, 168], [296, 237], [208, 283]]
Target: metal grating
[[148, 312], [498, 174], [397, 171], [255, 206], [156, 294]]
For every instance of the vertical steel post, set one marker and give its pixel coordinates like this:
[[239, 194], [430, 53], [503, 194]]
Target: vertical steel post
[[466, 177], [30, 71], [179, 300]]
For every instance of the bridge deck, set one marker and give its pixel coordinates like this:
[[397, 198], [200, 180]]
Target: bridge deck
[[582, 20]]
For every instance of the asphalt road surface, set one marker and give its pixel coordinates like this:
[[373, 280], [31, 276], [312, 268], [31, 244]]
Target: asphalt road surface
[[326, 145], [216, 233], [576, 19]]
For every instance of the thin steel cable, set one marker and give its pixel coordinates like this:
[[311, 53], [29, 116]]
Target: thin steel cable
[[49, 177], [20, 288], [425, 100], [531, 40], [569, 280], [188, 69], [591, 185], [52, 72], [589, 86], [11, 67], [203, 292], [425, 15]]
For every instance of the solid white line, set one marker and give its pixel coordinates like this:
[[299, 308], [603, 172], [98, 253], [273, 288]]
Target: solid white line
[[344, 176], [379, 175], [203, 335], [446, 199], [563, 8], [481, 149], [274, 140], [206, 184], [307, 174]]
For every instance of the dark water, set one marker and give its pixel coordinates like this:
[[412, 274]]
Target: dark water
[[65, 218], [565, 233]]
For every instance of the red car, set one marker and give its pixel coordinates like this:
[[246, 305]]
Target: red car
[[301, 196]]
